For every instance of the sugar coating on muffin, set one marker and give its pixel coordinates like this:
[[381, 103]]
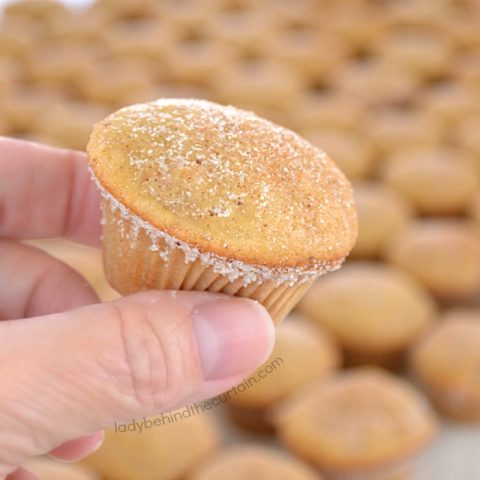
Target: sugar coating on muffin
[[245, 196]]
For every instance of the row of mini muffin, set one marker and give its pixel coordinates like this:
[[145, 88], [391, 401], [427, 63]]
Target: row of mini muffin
[[125, 80], [322, 415], [397, 320]]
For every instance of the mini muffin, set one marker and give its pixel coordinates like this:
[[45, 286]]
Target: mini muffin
[[303, 353], [376, 81], [392, 128], [466, 136], [374, 311], [118, 10], [361, 23], [14, 42], [258, 84], [197, 196], [450, 102], [114, 82], [68, 124], [447, 362], [382, 214], [361, 425], [437, 181], [352, 151], [423, 52], [467, 69], [327, 109], [141, 39], [444, 255], [42, 12], [61, 65], [24, 106], [463, 29], [254, 462], [79, 27], [11, 73], [474, 208], [46, 469], [188, 16], [198, 61], [245, 29], [165, 449], [310, 51], [425, 16], [291, 14]]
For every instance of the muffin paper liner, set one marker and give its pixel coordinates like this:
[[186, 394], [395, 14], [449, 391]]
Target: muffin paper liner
[[132, 265]]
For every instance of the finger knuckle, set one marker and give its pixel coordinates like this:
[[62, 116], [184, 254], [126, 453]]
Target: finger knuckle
[[157, 358]]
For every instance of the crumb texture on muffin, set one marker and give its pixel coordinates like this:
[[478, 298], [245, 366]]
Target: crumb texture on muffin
[[221, 181]]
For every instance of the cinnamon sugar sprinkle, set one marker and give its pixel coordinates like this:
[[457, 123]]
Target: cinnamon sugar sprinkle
[[226, 267], [229, 160]]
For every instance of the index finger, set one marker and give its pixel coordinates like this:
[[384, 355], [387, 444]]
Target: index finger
[[46, 192]]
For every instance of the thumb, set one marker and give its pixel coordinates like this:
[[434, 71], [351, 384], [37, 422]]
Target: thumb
[[67, 375]]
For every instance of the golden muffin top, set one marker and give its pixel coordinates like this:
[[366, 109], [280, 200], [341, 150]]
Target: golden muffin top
[[254, 461], [363, 418], [226, 182], [450, 355]]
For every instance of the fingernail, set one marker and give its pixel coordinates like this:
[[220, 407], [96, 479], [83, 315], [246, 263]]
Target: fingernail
[[75, 450], [234, 337]]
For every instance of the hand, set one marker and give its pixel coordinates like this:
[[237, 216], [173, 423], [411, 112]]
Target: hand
[[72, 366]]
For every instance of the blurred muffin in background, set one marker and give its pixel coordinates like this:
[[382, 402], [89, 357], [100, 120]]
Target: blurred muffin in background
[[167, 451], [302, 354], [188, 16], [42, 12], [312, 51], [361, 23], [467, 68], [58, 67], [114, 83], [46, 469], [289, 14], [258, 84], [426, 53], [375, 81], [198, 62], [474, 209], [393, 128], [254, 462], [119, 10], [81, 28], [443, 254], [144, 39], [360, 425], [382, 213], [328, 108], [352, 151], [447, 362], [450, 102], [23, 106], [246, 29], [436, 180], [374, 311], [467, 137], [68, 124]]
